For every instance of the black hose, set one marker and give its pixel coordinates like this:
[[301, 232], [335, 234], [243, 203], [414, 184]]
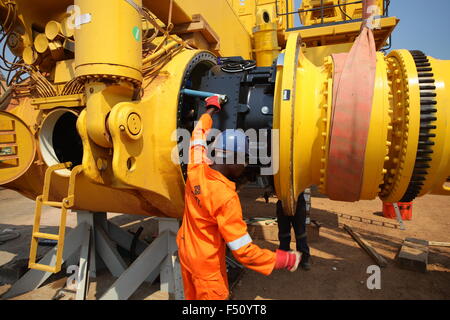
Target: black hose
[[386, 9], [8, 235], [343, 12], [234, 65]]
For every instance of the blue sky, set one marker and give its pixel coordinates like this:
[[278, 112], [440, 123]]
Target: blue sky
[[424, 25]]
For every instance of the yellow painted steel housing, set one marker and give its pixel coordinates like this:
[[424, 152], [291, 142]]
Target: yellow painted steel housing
[[127, 162], [302, 109], [108, 39], [17, 147], [126, 178], [266, 44], [440, 165], [331, 12]]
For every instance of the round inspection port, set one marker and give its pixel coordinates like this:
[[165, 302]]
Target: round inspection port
[[59, 141]]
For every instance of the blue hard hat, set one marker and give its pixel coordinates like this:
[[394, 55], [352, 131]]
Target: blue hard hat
[[232, 140]]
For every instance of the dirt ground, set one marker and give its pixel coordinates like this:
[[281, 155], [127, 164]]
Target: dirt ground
[[338, 264]]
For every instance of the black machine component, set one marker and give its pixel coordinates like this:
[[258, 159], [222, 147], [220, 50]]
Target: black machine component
[[250, 92], [428, 118]]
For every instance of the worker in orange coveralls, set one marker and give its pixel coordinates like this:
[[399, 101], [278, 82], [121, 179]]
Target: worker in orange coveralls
[[213, 216]]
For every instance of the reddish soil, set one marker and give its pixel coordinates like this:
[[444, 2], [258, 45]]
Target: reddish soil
[[339, 265]]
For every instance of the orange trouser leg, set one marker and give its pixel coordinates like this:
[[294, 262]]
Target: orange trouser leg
[[215, 288], [200, 289], [188, 285], [211, 289]]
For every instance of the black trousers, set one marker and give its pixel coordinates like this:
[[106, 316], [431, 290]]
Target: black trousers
[[298, 222]]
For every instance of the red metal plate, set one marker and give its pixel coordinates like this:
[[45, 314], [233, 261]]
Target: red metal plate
[[354, 80]]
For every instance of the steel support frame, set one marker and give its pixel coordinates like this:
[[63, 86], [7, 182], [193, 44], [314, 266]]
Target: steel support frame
[[94, 237]]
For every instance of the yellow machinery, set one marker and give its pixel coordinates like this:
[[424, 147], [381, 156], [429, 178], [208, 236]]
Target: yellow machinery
[[314, 12], [98, 87]]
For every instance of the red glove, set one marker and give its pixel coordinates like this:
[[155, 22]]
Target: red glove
[[213, 102], [287, 260]]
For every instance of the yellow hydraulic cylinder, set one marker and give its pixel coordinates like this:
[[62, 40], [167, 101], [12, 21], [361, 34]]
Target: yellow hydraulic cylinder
[[108, 39], [266, 40]]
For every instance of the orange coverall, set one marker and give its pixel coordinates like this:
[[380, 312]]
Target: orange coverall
[[212, 219]]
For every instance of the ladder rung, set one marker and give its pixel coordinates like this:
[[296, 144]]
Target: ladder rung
[[7, 132], [9, 157], [52, 204], [58, 237], [49, 236], [4, 145], [42, 267]]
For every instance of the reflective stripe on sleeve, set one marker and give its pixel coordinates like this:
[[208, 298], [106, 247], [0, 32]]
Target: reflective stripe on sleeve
[[199, 143], [239, 243]]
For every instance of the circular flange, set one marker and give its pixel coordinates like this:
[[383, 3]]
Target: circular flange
[[402, 77], [284, 111], [325, 123], [428, 119], [187, 114]]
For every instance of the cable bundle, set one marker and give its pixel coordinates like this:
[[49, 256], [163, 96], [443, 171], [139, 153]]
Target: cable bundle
[[236, 64], [74, 86], [170, 45]]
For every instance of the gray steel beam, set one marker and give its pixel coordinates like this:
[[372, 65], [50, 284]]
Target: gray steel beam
[[83, 269], [107, 250], [139, 270]]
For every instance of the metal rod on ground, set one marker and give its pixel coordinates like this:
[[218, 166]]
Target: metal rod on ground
[[399, 216], [379, 260]]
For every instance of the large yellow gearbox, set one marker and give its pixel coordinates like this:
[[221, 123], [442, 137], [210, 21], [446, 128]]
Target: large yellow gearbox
[[107, 92]]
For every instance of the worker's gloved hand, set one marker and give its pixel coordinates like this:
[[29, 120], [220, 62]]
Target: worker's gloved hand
[[214, 102], [287, 260]]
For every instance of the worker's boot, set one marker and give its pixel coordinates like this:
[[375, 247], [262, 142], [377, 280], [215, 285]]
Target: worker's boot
[[305, 262]]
